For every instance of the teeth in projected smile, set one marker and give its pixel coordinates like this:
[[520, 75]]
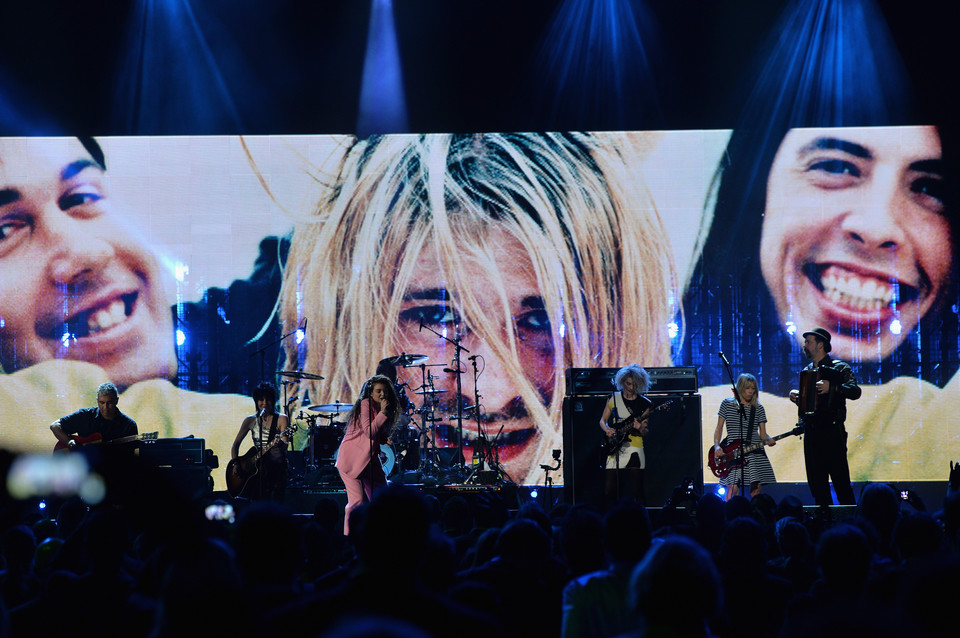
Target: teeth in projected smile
[[114, 313], [854, 291]]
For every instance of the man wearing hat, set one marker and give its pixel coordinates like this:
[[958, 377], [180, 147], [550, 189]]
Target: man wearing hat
[[825, 438]]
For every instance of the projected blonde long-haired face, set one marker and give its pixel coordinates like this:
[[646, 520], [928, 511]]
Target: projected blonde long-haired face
[[514, 244]]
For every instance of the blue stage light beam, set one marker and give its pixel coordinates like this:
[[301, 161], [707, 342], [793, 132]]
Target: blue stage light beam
[[170, 82], [831, 63], [383, 102], [597, 64]]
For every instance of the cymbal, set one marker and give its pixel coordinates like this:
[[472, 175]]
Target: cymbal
[[405, 360], [429, 391], [330, 407], [297, 374]]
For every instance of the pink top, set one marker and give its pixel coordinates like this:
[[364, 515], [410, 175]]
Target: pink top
[[354, 453]]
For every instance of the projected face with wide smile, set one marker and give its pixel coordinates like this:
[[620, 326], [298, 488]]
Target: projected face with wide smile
[[855, 237], [73, 283], [432, 300]]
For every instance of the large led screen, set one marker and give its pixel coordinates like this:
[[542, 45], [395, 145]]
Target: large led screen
[[186, 270]]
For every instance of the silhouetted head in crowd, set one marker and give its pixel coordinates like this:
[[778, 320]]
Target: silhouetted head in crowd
[[626, 532], [676, 588], [917, 534], [581, 540], [843, 556], [396, 517]]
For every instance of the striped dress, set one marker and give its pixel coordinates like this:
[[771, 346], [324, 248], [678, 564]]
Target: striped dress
[[758, 467]]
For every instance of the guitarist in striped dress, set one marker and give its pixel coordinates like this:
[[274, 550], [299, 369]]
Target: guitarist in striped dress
[[624, 422], [267, 428], [750, 426]]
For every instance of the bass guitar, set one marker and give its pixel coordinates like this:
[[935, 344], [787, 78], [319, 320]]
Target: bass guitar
[[97, 438], [613, 445], [243, 468], [729, 458]]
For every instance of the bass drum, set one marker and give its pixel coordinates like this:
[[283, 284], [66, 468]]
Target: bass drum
[[389, 455]]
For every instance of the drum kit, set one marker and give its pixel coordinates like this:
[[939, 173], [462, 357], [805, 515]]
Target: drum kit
[[415, 450]]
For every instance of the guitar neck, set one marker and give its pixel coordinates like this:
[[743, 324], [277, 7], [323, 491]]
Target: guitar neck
[[759, 444], [277, 441]]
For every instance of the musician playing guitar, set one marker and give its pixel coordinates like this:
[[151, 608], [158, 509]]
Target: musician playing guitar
[[102, 423], [628, 409], [265, 427], [749, 426]]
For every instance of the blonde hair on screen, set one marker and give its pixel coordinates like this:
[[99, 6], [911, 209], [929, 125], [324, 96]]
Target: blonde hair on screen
[[594, 239]]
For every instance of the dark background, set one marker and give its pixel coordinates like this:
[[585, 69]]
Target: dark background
[[295, 66]]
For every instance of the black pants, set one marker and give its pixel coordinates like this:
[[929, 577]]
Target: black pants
[[270, 483], [625, 483], [825, 455]]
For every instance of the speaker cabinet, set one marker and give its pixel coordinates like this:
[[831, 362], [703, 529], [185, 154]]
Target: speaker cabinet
[[672, 448]]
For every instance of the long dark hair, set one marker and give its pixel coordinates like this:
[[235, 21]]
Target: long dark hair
[[727, 305], [393, 404]]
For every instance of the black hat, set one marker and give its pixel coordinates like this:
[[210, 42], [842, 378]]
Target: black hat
[[822, 334]]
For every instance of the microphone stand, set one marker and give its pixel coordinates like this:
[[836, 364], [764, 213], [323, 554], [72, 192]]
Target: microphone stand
[[263, 351], [480, 450], [736, 397], [456, 365]]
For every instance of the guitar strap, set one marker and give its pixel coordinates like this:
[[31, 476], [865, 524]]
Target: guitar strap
[[273, 429], [261, 444]]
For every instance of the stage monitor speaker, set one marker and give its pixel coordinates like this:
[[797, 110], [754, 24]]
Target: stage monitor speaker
[[672, 449]]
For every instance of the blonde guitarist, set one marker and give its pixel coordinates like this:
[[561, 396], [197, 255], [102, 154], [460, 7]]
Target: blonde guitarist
[[624, 422]]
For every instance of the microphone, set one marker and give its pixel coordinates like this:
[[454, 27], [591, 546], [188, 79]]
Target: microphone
[[723, 358], [473, 357], [262, 412], [421, 325], [452, 370]]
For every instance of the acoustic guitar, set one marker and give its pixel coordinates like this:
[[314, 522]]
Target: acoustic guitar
[[243, 468]]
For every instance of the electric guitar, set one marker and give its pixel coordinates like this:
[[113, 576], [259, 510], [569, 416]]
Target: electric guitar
[[613, 445], [96, 438], [729, 458], [243, 468]]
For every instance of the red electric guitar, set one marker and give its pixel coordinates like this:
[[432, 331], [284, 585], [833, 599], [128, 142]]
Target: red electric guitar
[[722, 464], [97, 438]]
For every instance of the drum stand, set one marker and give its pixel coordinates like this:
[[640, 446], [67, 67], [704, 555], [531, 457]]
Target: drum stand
[[486, 454], [429, 466]]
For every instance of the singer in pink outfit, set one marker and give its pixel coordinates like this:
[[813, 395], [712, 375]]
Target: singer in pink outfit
[[368, 427]]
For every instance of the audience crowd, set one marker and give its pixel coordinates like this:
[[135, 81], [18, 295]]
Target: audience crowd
[[148, 563]]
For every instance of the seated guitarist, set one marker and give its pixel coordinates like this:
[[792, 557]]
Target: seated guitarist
[[102, 423], [266, 427], [626, 412]]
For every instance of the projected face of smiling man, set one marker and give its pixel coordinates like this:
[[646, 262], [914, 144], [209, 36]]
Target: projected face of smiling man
[[73, 283], [855, 235]]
